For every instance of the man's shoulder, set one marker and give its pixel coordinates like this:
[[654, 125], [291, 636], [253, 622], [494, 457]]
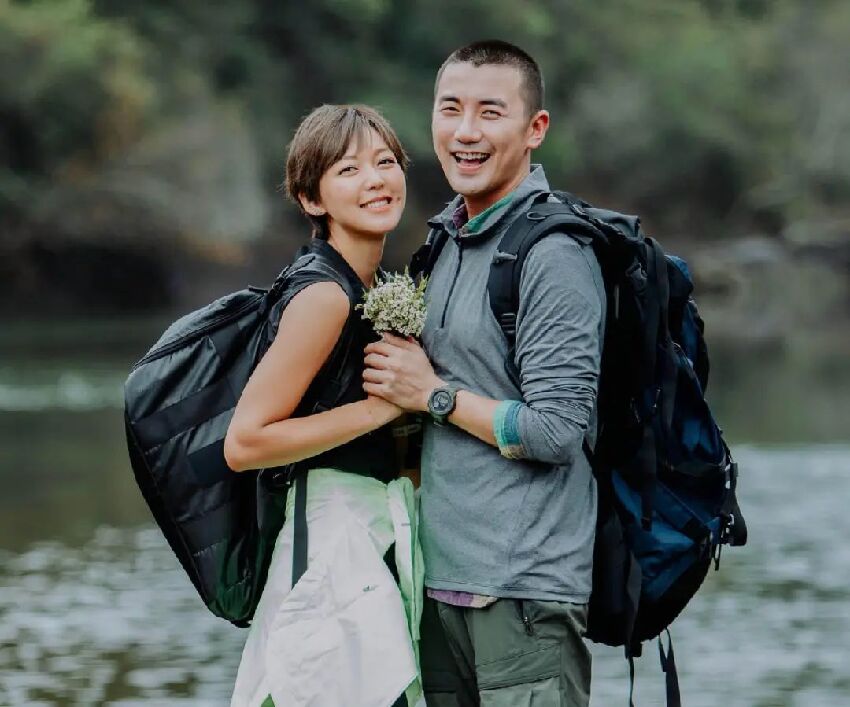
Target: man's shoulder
[[559, 251], [561, 265]]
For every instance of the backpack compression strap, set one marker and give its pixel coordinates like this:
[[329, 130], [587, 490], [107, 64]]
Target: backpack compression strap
[[299, 538]]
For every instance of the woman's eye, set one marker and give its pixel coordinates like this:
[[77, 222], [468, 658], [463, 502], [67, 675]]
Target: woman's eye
[[388, 160], [347, 169]]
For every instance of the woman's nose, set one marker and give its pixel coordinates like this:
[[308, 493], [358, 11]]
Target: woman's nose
[[374, 178]]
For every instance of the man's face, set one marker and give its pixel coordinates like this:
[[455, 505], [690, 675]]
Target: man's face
[[482, 132]]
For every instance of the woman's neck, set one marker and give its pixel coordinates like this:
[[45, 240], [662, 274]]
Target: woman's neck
[[362, 253]]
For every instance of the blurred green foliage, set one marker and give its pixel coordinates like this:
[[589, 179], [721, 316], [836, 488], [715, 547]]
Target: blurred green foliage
[[711, 118], [73, 87]]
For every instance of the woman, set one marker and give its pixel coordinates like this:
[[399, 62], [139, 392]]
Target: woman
[[344, 633]]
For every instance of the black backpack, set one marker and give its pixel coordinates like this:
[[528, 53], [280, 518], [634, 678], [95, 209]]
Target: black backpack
[[666, 479], [179, 399]]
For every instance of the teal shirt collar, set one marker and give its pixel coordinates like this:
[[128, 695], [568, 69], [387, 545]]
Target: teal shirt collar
[[483, 224], [478, 222]]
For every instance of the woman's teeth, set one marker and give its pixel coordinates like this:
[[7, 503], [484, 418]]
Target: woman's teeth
[[376, 204]]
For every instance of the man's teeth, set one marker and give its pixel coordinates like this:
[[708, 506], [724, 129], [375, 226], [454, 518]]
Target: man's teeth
[[376, 204], [471, 156]]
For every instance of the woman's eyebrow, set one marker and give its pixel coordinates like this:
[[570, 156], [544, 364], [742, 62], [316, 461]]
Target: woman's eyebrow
[[375, 151]]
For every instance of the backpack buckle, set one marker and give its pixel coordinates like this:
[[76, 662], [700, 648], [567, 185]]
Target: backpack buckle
[[507, 320], [535, 216], [280, 478], [502, 257]]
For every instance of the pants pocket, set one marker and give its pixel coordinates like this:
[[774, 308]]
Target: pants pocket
[[542, 660], [542, 693], [518, 669], [529, 679]]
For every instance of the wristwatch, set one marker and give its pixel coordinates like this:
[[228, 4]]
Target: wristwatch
[[441, 403]]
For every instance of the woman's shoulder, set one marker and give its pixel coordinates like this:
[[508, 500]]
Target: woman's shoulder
[[322, 263], [319, 302]]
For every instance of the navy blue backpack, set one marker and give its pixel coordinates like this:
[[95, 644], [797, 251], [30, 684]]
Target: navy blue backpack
[[666, 478]]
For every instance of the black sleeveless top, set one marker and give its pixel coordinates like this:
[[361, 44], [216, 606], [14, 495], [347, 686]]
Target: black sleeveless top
[[340, 380]]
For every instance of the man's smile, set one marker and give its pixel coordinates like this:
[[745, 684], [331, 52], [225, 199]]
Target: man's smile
[[470, 161]]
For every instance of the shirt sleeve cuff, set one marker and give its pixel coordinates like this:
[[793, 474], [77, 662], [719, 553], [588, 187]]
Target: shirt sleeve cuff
[[506, 429]]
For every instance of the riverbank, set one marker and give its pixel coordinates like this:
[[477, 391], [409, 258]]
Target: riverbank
[[107, 616]]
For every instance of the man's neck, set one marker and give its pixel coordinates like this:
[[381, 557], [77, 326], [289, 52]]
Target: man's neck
[[474, 206]]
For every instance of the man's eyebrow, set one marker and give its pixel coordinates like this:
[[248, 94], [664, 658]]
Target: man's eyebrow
[[493, 102], [483, 102]]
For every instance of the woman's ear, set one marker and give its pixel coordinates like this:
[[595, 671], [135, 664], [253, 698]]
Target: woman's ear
[[313, 208]]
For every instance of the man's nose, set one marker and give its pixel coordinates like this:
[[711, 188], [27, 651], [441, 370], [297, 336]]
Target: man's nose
[[467, 130]]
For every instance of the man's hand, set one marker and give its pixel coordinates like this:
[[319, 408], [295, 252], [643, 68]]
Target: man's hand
[[398, 370]]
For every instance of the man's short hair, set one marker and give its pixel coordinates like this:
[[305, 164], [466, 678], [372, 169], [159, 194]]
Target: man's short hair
[[499, 53]]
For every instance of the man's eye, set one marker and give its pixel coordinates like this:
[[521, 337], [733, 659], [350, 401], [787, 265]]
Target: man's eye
[[492, 114], [449, 109]]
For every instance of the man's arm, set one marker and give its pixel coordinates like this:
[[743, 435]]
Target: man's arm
[[557, 352]]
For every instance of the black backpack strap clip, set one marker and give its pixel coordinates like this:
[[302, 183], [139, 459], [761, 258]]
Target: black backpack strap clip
[[507, 322], [734, 530]]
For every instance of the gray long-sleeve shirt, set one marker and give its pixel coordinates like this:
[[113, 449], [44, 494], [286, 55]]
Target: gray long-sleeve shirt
[[521, 528]]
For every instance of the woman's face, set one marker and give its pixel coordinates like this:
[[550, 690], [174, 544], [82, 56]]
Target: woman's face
[[365, 191]]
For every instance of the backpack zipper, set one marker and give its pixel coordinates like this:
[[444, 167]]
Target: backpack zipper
[[190, 336]]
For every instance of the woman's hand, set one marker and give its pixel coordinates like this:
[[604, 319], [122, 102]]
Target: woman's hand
[[384, 409]]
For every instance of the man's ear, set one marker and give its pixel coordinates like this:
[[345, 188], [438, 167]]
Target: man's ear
[[313, 208], [537, 128]]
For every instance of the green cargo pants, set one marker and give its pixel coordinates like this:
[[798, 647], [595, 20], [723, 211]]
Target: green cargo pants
[[513, 653]]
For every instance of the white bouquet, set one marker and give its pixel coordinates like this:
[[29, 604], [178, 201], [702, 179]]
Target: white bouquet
[[396, 304]]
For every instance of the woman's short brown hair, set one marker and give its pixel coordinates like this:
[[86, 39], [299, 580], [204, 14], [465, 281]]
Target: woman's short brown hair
[[321, 140]]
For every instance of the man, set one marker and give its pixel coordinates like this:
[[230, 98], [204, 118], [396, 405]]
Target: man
[[508, 498]]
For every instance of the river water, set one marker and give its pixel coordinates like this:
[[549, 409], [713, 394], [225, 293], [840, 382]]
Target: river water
[[95, 610]]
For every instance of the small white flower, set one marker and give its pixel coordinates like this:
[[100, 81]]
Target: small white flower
[[396, 304]]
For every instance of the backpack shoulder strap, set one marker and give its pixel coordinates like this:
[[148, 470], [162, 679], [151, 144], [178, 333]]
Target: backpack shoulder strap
[[528, 229]]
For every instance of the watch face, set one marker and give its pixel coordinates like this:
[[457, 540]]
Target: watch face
[[441, 402]]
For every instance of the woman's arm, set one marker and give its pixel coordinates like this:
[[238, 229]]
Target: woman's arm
[[261, 433]]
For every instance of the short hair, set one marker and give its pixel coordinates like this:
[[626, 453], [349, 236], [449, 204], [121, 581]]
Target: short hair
[[499, 53], [321, 140]]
